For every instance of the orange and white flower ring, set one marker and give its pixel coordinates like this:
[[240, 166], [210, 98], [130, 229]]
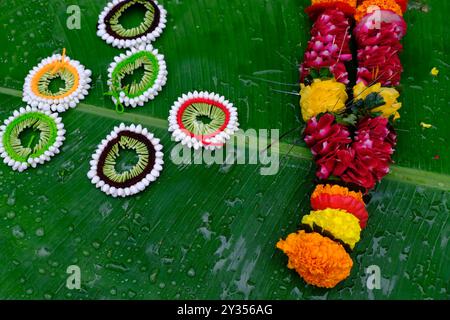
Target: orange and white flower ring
[[37, 88]]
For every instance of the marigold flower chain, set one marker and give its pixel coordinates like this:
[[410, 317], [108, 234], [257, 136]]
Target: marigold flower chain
[[352, 141]]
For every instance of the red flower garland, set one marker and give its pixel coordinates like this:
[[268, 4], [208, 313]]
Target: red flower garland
[[373, 147], [362, 160], [329, 46], [329, 143], [379, 48], [355, 147]]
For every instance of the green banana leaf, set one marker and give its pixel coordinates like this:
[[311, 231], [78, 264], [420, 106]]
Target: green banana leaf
[[209, 232]]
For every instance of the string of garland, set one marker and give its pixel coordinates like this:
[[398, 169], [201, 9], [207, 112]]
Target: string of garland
[[329, 47], [352, 141]]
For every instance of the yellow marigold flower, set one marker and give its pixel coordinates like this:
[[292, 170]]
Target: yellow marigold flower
[[435, 72], [336, 190], [426, 125], [317, 259], [368, 6], [342, 225], [351, 3], [389, 95], [322, 96]]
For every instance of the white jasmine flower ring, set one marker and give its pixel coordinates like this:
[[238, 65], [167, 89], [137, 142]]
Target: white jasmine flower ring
[[44, 141], [203, 119], [148, 87], [113, 32], [37, 91], [132, 180]]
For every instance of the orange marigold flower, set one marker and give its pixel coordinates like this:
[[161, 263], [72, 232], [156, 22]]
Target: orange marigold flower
[[317, 259], [318, 6], [368, 5], [351, 3], [337, 190], [403, 4]]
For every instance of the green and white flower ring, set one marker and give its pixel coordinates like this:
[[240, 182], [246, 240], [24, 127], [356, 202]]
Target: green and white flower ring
[[110, 29], [20, 156], [103, 173], [76, 77], [148, 87], [203, 119]]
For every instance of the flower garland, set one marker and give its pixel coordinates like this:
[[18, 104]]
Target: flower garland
[[352, 140], [329, 47], [378, 34]]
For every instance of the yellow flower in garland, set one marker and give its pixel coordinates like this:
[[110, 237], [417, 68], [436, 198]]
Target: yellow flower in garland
[[322, 96], [317, 259], [342, 225], [389, 95]]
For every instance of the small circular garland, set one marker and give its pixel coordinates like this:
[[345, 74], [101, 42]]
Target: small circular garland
[[187, 126], [103, 173], [110, 29], [77, 78], [153, 79], [20, 156]]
